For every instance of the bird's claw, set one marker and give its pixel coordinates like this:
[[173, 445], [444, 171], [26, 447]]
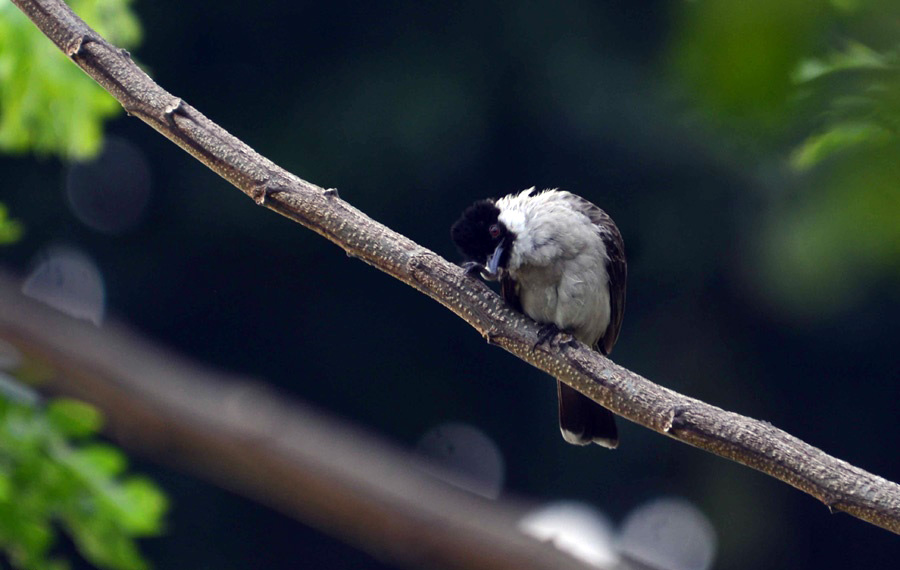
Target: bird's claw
[[545, 334], [552, 334], [473, 268]]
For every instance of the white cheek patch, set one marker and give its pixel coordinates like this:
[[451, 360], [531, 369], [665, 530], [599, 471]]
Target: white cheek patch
[[514, 220]]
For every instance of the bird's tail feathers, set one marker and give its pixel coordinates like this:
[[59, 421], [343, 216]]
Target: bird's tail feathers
[[583, 421]]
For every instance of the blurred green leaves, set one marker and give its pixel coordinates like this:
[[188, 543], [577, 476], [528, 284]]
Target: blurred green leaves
[[814, 85], [839, 237], [856, 57], [48, 105], [10, 230], [74, 419], [54, 474], [839, 137], [858, 92], [736, 58]]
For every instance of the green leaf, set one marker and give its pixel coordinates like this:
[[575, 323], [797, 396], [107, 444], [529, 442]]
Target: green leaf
[[102, 542], [855, 56], [74, 418], [103, 458], [839, 138], [25, 538], [10, 230], [144, 504]]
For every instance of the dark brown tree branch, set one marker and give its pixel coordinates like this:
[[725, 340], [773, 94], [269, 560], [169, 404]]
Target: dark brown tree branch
[[757, 444], [248, 439]]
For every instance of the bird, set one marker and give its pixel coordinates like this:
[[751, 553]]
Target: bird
[[560, 260]]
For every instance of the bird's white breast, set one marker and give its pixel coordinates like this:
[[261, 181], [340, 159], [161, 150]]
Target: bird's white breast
[[558, 261]]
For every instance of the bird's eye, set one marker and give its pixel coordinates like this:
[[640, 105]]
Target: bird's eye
[[494, 230]]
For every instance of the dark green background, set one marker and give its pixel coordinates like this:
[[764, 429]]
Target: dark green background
[[413, 112]]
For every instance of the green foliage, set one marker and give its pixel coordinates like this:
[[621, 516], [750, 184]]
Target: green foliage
[[54, 474], [838, 137], [736, 58], [10, 230], [855, 57], [858, 90], [792, 79], [47, 104], [74, 419], [822, 248]]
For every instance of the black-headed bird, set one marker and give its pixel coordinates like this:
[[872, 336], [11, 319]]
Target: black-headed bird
[[560, 260]]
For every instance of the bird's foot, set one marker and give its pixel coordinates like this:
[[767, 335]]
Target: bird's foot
[[551, 334], [473, 268]]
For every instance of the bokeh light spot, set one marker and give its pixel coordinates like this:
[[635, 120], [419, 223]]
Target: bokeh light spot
[[465, 457], [668, 534], [68, 281], [110, 193], [575, 528]]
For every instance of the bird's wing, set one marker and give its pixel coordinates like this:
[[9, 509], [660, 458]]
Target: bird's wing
[[616, 268]]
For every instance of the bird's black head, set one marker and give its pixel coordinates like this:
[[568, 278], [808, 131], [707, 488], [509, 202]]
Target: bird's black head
[[478, 233]]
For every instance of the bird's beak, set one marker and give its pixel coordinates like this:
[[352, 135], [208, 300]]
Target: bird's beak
[[494, 261]]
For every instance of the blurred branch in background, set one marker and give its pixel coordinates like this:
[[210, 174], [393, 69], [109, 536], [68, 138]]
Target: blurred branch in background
[[243, 437], [750, 442]]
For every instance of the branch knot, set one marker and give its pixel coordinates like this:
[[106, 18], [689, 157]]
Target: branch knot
[[74, 48], [677, 419]]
